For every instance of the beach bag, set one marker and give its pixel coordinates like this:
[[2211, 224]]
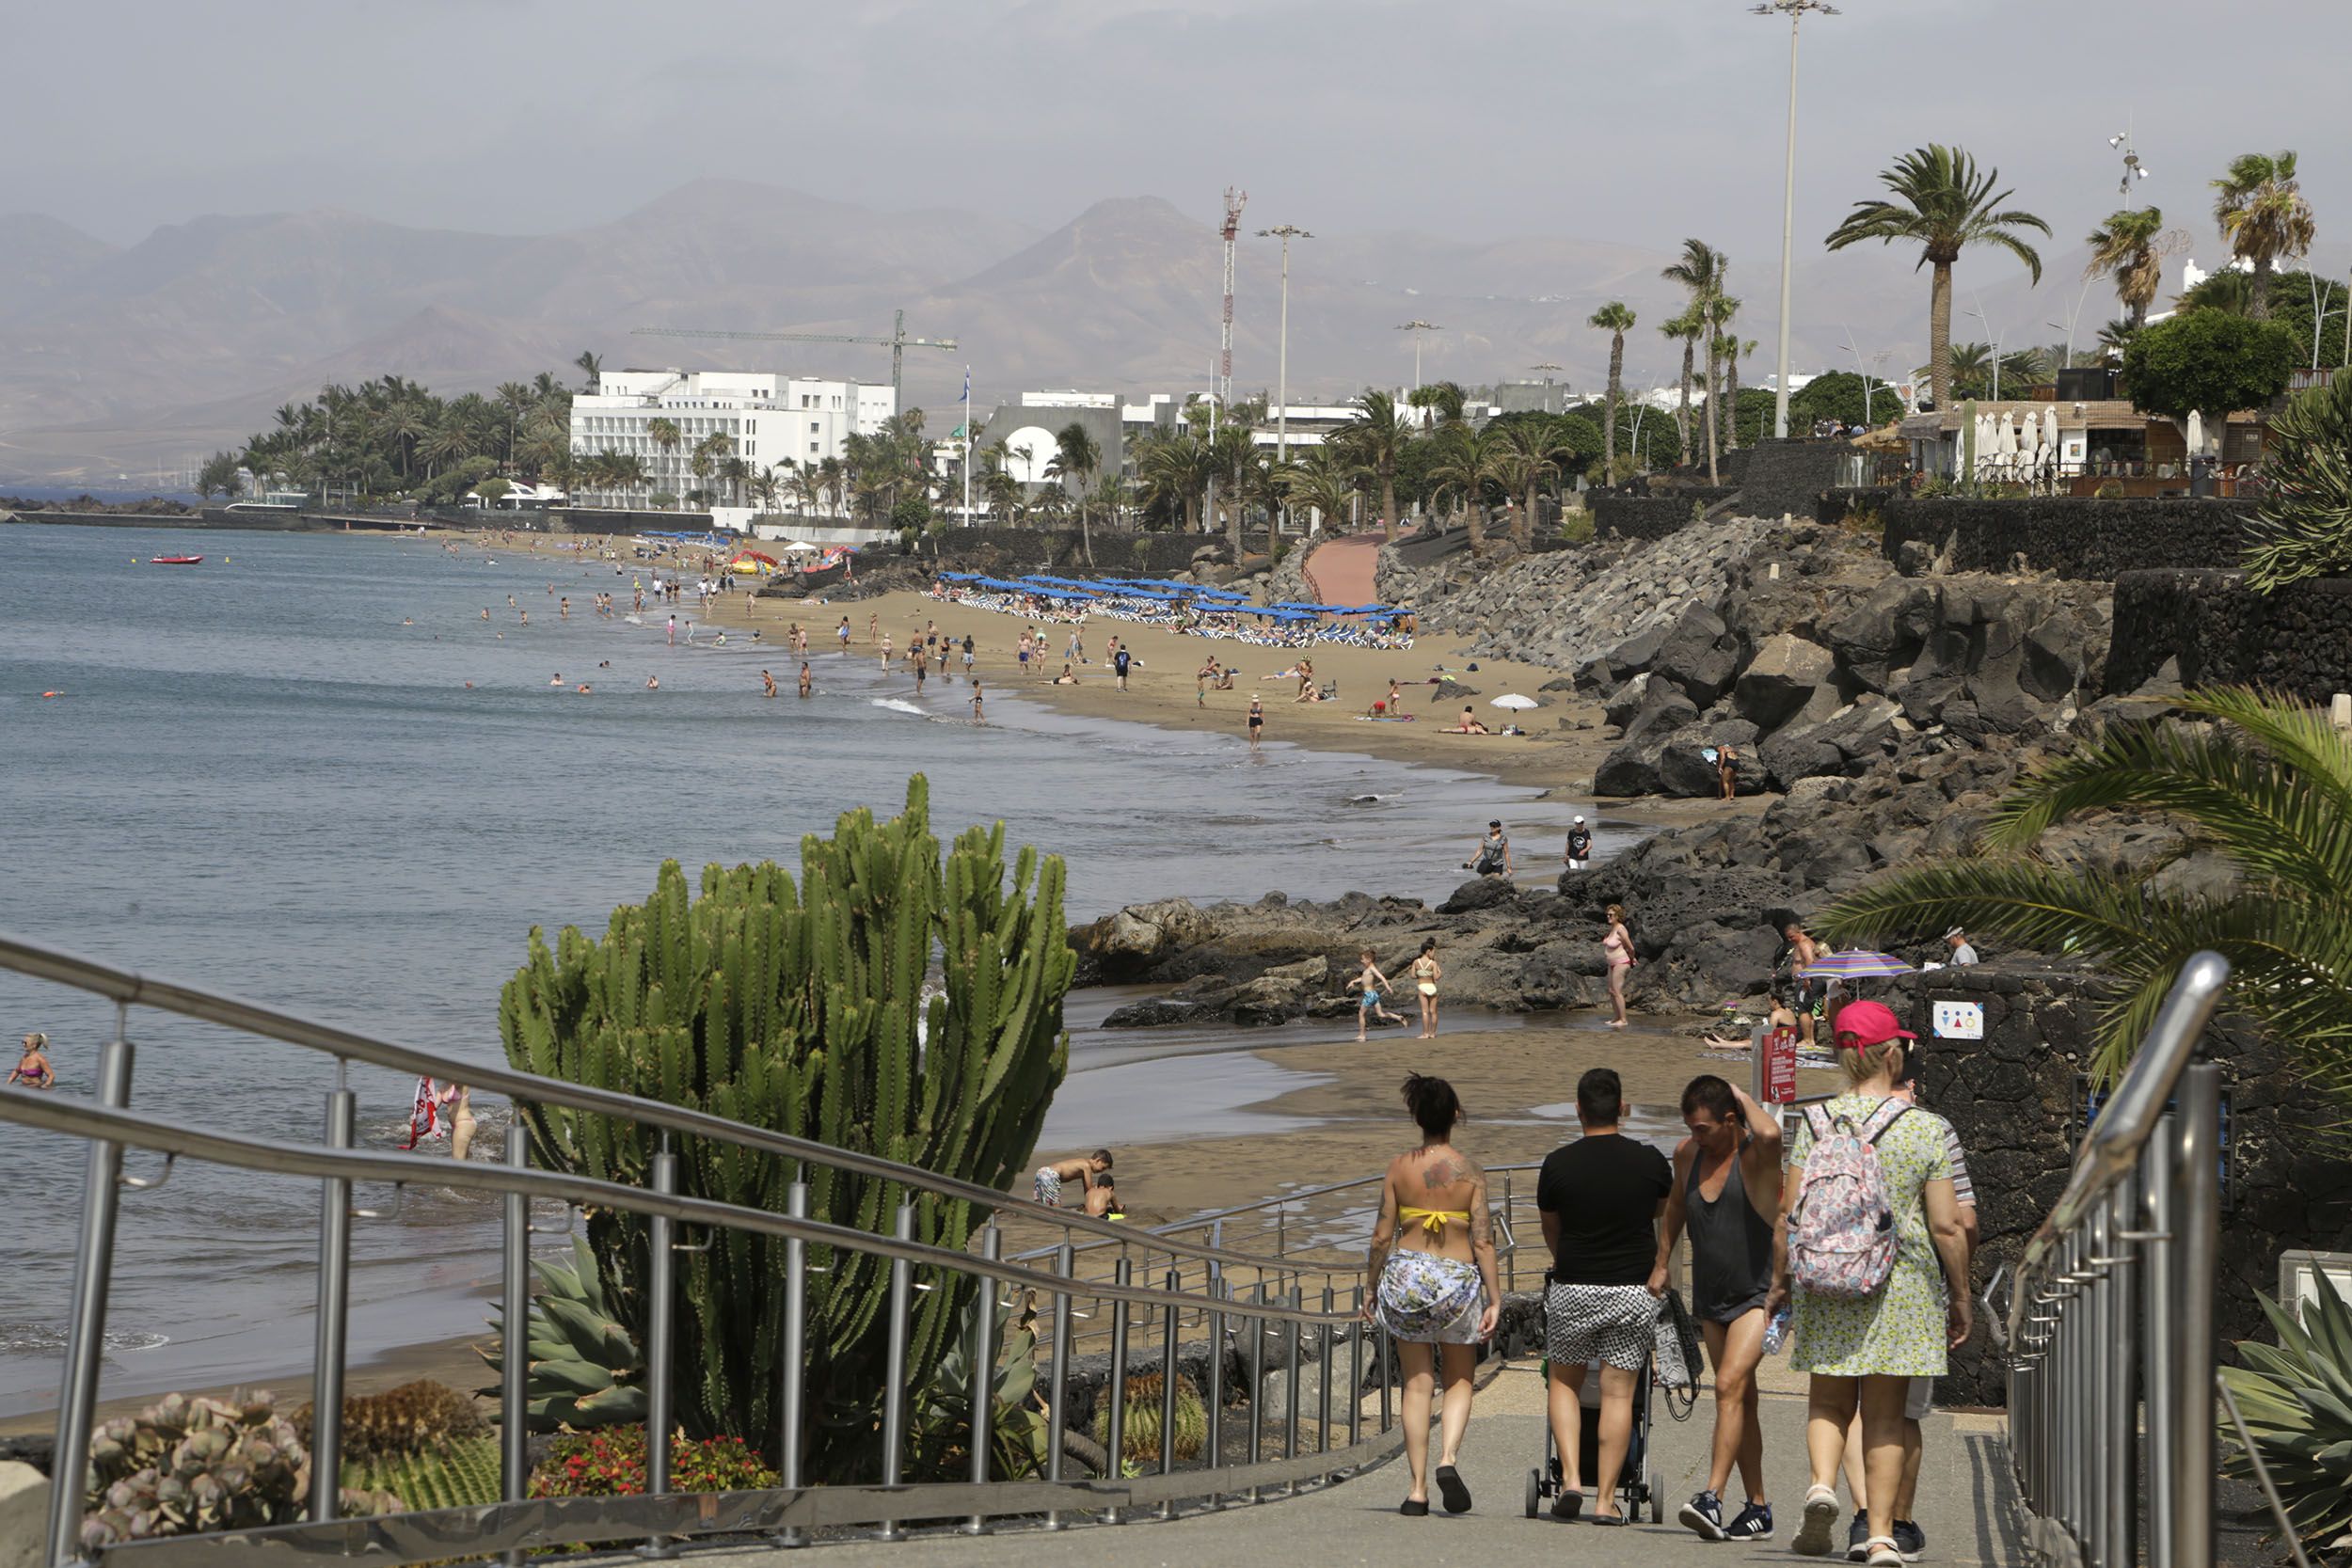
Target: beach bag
[[1841, 1230], [1677, 1348]]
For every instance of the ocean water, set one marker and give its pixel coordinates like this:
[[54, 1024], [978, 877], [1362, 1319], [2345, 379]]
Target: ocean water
[[267, 774]]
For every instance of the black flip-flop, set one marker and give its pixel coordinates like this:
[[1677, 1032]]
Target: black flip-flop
[[1457, 1498], [1610, 1519], [1414, 1507], [1568, 1504]]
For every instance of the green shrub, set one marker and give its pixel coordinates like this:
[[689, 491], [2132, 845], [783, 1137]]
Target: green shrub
[[2304, 528], [2297, 1399], [2109, 490], [1576, 527]]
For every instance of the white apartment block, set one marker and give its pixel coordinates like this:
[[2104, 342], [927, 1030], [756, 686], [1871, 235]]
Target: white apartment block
[[775, 421]]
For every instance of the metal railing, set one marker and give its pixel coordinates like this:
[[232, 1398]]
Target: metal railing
[[2109, 1334], [1220, 1293]]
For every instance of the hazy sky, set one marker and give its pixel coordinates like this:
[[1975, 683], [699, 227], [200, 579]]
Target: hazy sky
[[1637, 121]]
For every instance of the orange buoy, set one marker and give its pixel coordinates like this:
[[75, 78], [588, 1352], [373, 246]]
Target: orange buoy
[[53, 693]]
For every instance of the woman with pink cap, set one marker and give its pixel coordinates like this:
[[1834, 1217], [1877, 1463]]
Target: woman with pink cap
[[1872, 1255]]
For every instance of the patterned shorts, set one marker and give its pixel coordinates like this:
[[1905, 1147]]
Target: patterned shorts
[[1617, 1324], [1046, 1189], [1423, 1299]]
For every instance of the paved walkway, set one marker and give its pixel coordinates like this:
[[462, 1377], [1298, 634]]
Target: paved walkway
[[1965, 1507], [1342, 570]]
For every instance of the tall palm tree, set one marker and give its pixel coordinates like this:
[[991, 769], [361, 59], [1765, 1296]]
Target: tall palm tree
[[2268, 786], [1527, 453], [1943, 205], [1323, 478], [1076, 459], [1374, 438], [1701, 271], [1235, 455], [2260, 207], [1464, 461], [1616, 319], [2130, 247], [1174, 468], [662, 432], [591, 365], [1445, 401], [1685, 330]]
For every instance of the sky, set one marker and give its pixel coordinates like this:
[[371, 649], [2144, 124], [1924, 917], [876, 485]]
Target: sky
[[1638, 121]]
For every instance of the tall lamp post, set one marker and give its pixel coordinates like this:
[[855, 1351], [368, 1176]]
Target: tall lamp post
[[1285, 233], [1417, 328], [1794, 10]]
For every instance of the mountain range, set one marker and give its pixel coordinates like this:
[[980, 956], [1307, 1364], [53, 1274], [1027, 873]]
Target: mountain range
[[125, 360]]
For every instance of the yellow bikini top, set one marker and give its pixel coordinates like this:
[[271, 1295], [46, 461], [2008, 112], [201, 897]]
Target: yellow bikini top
[[1432, 1220]]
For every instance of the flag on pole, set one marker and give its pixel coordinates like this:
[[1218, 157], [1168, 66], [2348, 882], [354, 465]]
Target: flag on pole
[[967, 386]]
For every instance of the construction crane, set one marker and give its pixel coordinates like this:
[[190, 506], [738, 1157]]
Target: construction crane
[[1233, 202], [898, 343]]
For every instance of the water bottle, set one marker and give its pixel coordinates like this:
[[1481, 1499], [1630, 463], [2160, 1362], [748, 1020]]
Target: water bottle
[[1777, 1332]]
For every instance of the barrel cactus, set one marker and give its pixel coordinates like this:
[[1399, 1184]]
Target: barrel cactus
[[1139, 1432], [804, 1009], [415, 1417], [458, 1474], [187, 1465]]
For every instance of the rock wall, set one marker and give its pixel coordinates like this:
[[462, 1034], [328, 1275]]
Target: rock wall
[[1644, 516], [1062, 552], [2213, 631], [1788, 478], [2016, 1099], [2072, 536]]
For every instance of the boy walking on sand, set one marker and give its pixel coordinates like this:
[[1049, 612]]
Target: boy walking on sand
[[1371, 984]]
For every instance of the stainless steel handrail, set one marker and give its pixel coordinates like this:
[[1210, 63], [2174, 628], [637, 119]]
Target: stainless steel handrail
[[128, 988], [109, 1126], [2111, 1307]]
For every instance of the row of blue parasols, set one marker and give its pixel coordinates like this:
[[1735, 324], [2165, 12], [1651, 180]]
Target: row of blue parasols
[[1221, 599]]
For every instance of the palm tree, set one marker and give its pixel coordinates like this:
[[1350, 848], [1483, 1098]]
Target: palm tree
[[2116, 337], [1701, 271], [1076, 459], [1374, 438], [1615, 319], [1323, 479], [1174, 466], [592, 366], [2268, 786], [663, 433], [1445, 401], [1465, 463], [1526, 453], [2130, 247], [1970, 366], [1235, 453], [1943, 205], [1684, 329], [2263, 214]]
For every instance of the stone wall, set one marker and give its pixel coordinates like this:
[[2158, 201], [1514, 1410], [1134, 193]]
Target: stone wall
[[1642, 517], [2298, 639], [2015, 1099], [1061, 552], [1789, 477], [2073, 536]]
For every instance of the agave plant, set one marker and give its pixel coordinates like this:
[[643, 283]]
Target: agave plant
[[2297, 1399], [584, 1369], [943, 1406]]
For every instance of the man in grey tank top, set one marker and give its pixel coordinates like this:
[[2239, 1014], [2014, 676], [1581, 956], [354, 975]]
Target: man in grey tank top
[[1726, 1193]]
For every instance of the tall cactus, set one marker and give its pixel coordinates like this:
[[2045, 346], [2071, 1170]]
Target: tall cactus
[[797, 1009]]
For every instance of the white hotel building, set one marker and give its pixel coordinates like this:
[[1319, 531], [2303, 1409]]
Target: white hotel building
[[775, 421]]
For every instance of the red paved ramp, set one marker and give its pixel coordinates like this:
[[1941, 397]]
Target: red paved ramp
[[1342, 570]]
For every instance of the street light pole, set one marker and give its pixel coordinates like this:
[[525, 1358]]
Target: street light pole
[[1285, 233], [1417, 328], [1795, 11]]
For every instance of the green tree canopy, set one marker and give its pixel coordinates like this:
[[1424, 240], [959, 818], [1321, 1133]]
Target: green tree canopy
[[2205, 362], [219, 476]]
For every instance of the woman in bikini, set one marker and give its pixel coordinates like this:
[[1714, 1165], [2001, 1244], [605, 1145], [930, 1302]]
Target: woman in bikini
[[1432, 1286], [1257, 722], [1617, 947], [1428, 972], [32, 1070]]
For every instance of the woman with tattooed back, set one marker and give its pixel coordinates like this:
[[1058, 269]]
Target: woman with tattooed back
[[1432, 1284]]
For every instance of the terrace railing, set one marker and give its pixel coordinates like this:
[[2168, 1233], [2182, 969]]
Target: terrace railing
[[2109, 1332], [1308, 1307]]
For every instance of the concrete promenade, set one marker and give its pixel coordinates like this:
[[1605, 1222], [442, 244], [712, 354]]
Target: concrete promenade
[[1966, 1506]]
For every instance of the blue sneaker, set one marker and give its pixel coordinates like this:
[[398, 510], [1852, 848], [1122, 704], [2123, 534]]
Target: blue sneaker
[[1910, 1539], [1755, 1523], [1858, 1538], [1703, 1516]]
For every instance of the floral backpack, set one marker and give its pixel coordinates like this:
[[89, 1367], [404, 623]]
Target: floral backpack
[[1841, 1230]]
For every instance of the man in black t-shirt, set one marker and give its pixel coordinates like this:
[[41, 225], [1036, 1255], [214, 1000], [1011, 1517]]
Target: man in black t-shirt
[[1600, 1197]]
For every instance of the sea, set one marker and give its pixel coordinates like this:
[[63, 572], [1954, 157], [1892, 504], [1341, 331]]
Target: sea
[[308, 772]]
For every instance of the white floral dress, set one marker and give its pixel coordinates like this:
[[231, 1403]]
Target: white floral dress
[[1899, 1331]]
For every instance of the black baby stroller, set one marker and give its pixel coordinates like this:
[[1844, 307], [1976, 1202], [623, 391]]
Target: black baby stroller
[[1639, 1486]]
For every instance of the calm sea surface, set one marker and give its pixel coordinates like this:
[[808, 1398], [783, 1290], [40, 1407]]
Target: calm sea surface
[[268, 775]]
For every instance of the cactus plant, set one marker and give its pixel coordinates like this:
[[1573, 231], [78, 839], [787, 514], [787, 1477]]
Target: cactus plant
[[185, 1465], [802, 1009], [458, 1474], [584, 1370], [415, 1417], [1139, 1432]]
